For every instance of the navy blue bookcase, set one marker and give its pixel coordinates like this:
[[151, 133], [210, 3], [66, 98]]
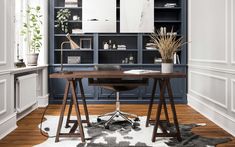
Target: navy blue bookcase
[[175, 17]]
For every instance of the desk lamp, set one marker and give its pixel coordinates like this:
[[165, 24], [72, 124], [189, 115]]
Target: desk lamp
[[73, 45]]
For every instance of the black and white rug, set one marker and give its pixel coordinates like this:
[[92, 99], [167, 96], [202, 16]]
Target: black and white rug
[[120, 134]]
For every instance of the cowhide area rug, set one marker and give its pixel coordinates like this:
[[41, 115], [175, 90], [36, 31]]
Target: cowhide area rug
[[121, 134]]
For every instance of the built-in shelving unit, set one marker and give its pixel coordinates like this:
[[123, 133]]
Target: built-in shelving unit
[[174, 17]]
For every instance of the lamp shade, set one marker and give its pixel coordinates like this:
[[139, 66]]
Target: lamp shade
[[73, 44]]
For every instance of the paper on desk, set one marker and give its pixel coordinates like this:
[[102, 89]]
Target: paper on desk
[[140, 71]]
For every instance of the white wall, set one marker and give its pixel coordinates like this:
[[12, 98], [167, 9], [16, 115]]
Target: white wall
[[8, 116], [7, 113], [211, 84]]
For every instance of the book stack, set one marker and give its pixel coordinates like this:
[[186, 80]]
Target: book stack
[[150, 46], [77, 31], [170, 5], [71, 3], [121, 47]]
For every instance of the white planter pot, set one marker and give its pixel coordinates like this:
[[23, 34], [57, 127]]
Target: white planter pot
[[32, 59], [167, 67]]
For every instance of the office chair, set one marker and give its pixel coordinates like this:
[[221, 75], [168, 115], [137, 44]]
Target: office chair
[[117, 85]]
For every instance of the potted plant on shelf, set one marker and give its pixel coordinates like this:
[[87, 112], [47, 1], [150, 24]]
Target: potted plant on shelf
[[167, 44], [32, 34], [62, 19]]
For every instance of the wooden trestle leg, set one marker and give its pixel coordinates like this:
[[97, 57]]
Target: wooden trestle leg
[[78, 122], [163, 84]]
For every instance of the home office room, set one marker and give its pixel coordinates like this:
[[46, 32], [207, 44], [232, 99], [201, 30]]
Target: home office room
[[117, 73]]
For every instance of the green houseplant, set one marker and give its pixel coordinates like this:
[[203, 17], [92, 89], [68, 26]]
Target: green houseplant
[[32, 33], [62, 19], [167, 44]]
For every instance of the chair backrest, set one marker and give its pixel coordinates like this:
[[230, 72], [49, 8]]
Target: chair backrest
[[117, 84], [107, 67]]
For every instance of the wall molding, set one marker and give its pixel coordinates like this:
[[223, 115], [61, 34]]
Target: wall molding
[[4, 110], [4, 62], [214, 69], [232, 96], [8, 125], [213, 114], [225, 106], [232, 34], [225, 61], [4, 72]]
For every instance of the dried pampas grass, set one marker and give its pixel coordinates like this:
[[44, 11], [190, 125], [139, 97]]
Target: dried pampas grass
[[167, 44]]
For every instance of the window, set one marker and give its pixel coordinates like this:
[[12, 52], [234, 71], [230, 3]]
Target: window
[[21, 46]]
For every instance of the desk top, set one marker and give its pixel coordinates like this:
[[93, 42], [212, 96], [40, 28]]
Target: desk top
[[115, 74]]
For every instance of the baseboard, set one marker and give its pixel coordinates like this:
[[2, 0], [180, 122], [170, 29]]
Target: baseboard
[[219, 118], [43, 100], [7, 125], [26, 112]]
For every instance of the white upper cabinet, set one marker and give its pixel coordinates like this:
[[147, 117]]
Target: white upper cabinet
[[136, 16], [99, 16]]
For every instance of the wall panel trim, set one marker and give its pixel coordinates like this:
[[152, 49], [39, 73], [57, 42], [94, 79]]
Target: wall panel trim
[[4, 62], [206, 97], [232, 96], [225, 61], [214, 69], [232, 34], [4, 110]]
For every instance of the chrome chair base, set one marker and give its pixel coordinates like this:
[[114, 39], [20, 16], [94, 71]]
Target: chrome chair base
[[118, 113]]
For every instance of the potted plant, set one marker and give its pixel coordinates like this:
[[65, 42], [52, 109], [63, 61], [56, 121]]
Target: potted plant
[[32, 33], [167, 44], [62, 19]]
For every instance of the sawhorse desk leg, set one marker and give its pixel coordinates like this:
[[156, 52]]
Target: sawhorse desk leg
[[72, 83], [163, 84]]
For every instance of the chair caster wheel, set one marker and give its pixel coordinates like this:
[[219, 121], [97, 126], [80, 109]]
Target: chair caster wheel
[[137, 119], [106, 126], [98, 120], [134, 125]]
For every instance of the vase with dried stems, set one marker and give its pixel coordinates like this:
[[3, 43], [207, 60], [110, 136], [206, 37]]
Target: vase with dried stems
[[167, 44]]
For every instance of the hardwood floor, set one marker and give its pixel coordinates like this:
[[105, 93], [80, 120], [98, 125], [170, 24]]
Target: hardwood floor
[[27, 134]]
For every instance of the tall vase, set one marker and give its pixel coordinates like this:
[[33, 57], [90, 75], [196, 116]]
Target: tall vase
[[167, 66]]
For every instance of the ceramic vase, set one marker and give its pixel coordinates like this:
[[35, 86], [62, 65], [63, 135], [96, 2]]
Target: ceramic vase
[[167, 66]]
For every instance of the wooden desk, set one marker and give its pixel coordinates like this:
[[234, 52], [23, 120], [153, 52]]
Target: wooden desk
[[162, 79]]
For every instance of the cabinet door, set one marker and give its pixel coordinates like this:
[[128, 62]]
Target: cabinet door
[[99, 16], [136, 16]]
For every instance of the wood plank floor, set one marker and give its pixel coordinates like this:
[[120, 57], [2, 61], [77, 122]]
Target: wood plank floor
[[27, 134]]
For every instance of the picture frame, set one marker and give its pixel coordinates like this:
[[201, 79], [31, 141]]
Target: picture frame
[[74, 59], [85, 43]]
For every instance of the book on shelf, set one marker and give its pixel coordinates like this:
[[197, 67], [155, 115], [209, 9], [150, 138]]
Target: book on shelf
[[77, 31], [176, 59], [71, 3], [150, 46], [121, 47], [170, 5]]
